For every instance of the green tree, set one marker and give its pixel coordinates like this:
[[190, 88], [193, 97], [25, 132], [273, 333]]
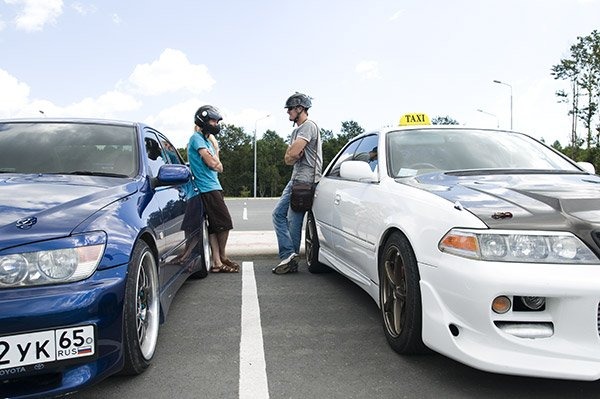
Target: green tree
[[556, 145], [236, 154], [350, 129], [183, 153], [332, 144], [582, 70], [444, 120], [272, 173]]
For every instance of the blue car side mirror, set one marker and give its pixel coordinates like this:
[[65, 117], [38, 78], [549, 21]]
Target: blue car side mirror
[[172, 175]]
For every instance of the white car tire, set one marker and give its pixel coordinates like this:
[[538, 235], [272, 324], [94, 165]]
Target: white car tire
[[400, 296]]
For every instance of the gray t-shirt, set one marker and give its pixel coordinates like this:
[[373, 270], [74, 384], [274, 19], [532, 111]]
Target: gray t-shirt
[[304, 168]]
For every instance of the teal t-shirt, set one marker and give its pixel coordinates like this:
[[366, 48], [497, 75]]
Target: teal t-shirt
[[206, 179]]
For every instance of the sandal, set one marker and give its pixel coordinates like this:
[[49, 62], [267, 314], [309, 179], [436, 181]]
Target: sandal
[[224, 269], [231, 264]]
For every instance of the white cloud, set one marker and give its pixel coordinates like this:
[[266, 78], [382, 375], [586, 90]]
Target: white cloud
[[396, 15], [108, 105], [177, 122], [250, 119], [116, 19], [14, 94], [35, 14], [170, 73], [2, 24], [84, 9], [368, 70], [15, 102]]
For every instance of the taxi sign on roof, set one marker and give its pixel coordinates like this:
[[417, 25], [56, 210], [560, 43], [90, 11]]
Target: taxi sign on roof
[[414, 119]]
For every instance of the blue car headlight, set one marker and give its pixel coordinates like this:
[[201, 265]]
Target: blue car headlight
[[517, 246], [57, 261]]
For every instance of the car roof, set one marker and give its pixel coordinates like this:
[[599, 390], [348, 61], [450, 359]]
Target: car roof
[[387, 129], [71, 120]]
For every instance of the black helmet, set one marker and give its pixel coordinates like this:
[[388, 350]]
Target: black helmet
[[298, 99], [203, 115]]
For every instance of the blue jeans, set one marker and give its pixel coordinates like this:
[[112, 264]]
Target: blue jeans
[[287, 224]]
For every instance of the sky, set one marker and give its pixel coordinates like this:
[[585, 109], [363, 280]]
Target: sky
[[367, 61]]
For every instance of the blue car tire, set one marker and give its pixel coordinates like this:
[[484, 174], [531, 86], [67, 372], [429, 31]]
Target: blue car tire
[[141, 310]]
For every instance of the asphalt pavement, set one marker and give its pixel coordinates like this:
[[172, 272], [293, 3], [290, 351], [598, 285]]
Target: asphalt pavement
[[253, 232]]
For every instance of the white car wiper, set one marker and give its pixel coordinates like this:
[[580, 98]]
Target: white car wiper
[[475, 172]]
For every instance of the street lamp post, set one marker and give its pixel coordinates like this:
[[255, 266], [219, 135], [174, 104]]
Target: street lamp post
[[494, 115], [255, 123], [511, 101]]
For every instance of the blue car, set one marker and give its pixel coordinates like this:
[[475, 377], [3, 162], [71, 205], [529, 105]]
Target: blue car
[[92, 250]]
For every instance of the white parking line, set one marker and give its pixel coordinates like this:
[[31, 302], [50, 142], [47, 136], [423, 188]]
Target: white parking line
[[253, 369]]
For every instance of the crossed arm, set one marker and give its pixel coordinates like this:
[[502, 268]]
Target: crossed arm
[[212, 161], [295, 151]]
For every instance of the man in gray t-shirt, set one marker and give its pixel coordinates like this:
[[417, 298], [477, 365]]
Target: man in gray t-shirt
[[304, 167], [305, 154]]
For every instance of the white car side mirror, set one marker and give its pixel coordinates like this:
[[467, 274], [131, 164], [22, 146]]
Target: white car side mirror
[[588, 167], [357, 171]]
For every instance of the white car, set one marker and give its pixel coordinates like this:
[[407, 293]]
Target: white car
[[482, 245]]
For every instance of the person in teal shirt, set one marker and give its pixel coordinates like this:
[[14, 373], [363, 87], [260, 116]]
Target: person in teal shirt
[[203, 156]]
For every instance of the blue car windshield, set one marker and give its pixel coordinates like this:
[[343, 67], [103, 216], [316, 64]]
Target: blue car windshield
[[68, 148], [413, 152]]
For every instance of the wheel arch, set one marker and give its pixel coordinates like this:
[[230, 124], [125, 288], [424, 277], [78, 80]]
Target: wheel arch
[[386, 235]]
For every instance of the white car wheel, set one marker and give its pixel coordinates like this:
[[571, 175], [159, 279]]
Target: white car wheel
[[400, 295]]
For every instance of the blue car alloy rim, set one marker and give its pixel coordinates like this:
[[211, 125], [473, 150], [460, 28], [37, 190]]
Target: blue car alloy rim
[[147, 305]]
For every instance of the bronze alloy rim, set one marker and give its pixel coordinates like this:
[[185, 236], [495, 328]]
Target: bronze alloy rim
[[393, 293]]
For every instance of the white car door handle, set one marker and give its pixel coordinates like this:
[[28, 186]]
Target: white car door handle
[[337, 199]]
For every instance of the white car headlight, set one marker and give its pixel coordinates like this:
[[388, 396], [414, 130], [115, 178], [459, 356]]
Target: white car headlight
[[517, 246], [66, 260]]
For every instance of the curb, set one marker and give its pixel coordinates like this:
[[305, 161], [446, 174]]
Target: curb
[[242, 243]]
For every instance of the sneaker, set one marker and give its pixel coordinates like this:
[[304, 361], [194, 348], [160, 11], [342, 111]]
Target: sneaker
[[288, 265]]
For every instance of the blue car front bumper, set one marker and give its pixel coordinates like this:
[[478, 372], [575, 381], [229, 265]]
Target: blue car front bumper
[[97, 301]]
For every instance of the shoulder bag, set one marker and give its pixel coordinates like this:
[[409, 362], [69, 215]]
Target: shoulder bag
[[303, 193]]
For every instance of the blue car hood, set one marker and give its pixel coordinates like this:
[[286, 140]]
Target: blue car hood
[[53, 205], [563, 202]]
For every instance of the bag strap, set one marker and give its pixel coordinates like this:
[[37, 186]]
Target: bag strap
[[316, 150]]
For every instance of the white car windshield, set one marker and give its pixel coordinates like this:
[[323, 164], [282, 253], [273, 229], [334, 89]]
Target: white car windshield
[[412, 152]]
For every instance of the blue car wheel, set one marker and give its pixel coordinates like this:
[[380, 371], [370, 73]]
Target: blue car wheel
[[141, 310], [203, 262]]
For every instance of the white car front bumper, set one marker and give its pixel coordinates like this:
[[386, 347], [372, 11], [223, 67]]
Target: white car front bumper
[[458, 320]]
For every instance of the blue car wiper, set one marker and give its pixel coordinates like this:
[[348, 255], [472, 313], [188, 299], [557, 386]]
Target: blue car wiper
[[90, 173]]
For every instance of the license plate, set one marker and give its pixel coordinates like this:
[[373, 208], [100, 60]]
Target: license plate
[[46, 346]]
